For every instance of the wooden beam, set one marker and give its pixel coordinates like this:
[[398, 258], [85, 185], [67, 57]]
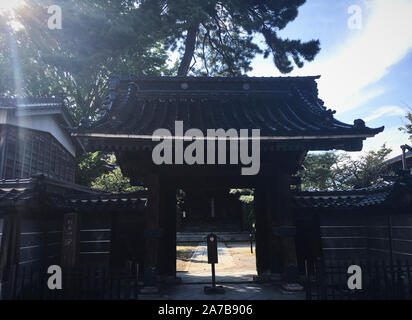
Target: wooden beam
[[283, 220], [263, 232], [153, 233], [167, 250], [9, 249]]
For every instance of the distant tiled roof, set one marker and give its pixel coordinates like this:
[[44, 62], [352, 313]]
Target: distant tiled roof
[[15, 192], [344, 199], [36, 106], [281, 107], [22, 191], [393, 192], [65, 196], [108, 201], [10, 195], [30, 102], [398, 159]]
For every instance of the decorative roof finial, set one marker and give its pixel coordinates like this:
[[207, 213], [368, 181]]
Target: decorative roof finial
[[359, 123]]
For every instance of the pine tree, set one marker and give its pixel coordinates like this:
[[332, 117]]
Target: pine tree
[[220, 33], [97, 39]]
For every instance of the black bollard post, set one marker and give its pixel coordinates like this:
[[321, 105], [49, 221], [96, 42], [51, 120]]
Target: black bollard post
[[212, 258], [213, 276], [251, 242]]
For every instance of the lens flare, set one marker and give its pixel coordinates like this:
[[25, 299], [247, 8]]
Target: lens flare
[[9, 5]]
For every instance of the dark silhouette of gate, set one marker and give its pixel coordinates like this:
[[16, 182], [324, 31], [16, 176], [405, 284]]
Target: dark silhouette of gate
[[88, 283], [381, 280]]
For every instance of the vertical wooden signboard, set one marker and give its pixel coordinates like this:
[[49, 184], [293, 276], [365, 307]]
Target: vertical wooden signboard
[[70, 240]]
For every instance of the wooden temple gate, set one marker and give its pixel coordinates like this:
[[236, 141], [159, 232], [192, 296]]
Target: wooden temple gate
[[290, 117], [43, 221]]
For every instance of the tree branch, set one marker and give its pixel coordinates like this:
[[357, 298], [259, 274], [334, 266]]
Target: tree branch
[[190, 45]]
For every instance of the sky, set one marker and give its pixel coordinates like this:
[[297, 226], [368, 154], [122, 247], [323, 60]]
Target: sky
[[365, 62]]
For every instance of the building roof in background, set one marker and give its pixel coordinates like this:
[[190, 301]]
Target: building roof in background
[[66, 196], [30, 102], [38, 106], [115, 201], [72, 197], [342, 199], [385, 193], [283, 108], [398, 159]]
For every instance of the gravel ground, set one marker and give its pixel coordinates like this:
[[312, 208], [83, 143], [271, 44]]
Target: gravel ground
[[242, 257], [184, 252], [237, 257]]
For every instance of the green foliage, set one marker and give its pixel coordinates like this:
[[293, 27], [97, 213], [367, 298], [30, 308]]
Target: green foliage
[[103, 37], [333, 171], [246, 198], [318, 173], [98, 170], [408, 126], [114, 181], [248, 211], [220, 33], [92, 165], [180, 201], [98, 39], [365, 171]]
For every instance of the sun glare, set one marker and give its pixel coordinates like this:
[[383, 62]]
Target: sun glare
[[8, 5]]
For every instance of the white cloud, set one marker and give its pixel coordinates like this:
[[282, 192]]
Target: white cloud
[[393, 138], [366, 58], [350, 74], [386, 111]]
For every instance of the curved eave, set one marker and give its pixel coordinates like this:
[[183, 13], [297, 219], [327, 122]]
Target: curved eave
[[129, 78], [283, 108], [251, 138]]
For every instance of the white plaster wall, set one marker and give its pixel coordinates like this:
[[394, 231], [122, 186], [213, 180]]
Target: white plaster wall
[[45, 123]]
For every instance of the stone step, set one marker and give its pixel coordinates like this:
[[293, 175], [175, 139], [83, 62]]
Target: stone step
[[222, 236], [205, 227]]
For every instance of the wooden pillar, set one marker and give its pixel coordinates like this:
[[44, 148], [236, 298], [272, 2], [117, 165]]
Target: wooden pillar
[[277, 262], [263, 232], [284, 228], [9, 249], [167, 249], [152, 232]]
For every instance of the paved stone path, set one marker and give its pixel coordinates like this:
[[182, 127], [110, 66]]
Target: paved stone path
[[227, 270], [234, 272], [233, 291]]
